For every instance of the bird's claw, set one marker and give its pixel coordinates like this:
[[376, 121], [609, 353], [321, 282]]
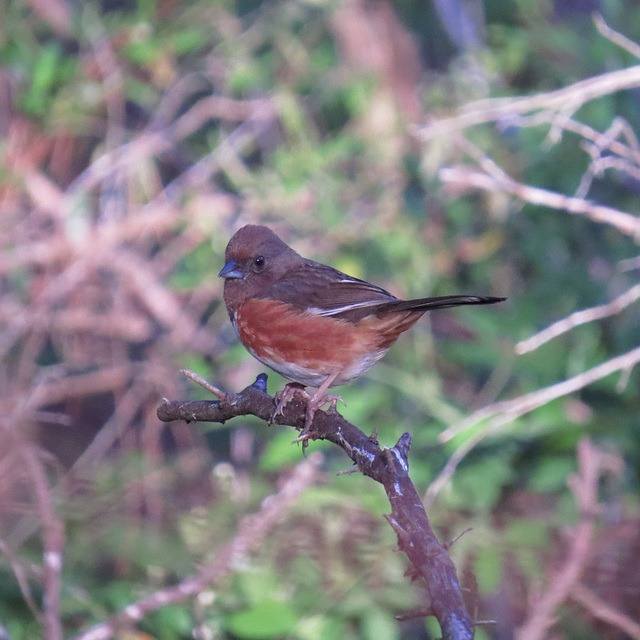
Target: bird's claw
[[284, 397], [314, 402], [334, 399]]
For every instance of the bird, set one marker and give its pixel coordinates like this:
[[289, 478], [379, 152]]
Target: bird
[[311, 323]]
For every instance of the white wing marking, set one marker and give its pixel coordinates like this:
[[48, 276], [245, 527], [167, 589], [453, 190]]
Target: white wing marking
[[348, 307]]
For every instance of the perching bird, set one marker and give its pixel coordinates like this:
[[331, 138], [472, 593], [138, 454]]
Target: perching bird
[[310, 322]]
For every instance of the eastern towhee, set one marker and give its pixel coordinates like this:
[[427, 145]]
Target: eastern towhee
[[309, 322]]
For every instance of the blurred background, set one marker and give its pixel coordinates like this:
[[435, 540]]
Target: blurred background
[[137, 136]]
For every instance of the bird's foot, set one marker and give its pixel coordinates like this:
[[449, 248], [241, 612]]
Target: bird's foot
[[314, 403]]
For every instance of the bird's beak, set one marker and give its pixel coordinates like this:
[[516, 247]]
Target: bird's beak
[[230, 270]]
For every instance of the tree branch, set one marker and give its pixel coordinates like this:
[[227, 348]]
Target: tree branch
[[429, 558]]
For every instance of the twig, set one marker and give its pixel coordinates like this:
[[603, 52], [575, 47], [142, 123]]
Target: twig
[[578, 318], [490, 110], [605, 612], [23, 581], [585, 488], [245, 134], [509, 410], [52, 541], [630, 264], [614, 36], [466, 177], [580, 129], [252, 531], [599, 165], [152, 142], [205, 384], [501, 414], [625, 163], [441, 480]]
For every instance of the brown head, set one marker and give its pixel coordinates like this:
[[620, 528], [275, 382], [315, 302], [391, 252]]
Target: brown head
[[255, 258]]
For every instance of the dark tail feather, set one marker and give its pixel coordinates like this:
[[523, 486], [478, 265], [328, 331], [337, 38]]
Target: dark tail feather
[[441, 302]]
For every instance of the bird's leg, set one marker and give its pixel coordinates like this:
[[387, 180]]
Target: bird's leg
[[317, 400]]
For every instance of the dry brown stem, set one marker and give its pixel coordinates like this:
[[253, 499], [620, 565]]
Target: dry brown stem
[[502, 413], [88, 317], [584, 485], [603, 611], [52, 542], [562, 101]]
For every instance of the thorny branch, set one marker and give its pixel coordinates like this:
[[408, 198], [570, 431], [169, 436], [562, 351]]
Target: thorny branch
[[429, 558]]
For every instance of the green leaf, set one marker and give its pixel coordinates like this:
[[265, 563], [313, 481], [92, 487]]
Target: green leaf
[[259, 585], [379, 625], [478, 486], [527, 533], [188, 40], [320, 628], [172, 621], [488, 569], [551, 474], [43, 79], [267, 619]]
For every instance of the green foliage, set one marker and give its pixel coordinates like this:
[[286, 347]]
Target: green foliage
[[347, 184], [266, 619], [488, 569], [551, 474], [478, 486], [169, 622]]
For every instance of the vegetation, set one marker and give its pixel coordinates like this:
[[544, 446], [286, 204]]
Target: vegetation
[[388, 141]]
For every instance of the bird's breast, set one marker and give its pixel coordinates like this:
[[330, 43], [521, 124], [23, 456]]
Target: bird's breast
[[306, 347]]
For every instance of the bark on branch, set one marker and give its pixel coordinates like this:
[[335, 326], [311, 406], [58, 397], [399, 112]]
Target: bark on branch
[[429, 559]]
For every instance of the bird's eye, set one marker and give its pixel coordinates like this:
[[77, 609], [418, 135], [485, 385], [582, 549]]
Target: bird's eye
[[258, 263]]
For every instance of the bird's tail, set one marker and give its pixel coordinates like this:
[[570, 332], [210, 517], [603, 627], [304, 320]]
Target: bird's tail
[[440, 302]]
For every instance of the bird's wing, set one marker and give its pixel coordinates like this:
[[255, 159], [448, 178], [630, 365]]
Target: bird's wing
[[322, 290]]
